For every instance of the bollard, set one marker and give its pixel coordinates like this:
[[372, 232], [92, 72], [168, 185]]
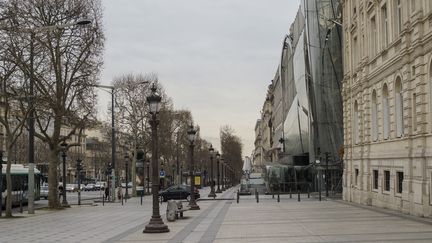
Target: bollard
[[122, 199], [256, 195], [103, 200], [238, 196], [290, 193], [298, 195], [308, 192], [272, 194], [278, 197], [142, 192]]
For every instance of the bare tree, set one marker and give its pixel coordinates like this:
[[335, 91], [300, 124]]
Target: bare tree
[[131, 93], [231, 146], [12, 118], [63, 63]]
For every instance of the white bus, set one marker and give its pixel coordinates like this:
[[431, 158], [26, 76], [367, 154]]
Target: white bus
[[19, 174]]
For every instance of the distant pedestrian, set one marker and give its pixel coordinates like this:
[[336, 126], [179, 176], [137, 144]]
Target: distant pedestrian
[[119, 192], [106, 192], [60, 188]]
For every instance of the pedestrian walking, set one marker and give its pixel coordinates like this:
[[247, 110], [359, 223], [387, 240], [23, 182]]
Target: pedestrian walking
[[106, 192], [61, 189], [119, 192]]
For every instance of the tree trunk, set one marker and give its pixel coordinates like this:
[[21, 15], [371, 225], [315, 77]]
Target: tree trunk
[[8, 183], [53, 197]]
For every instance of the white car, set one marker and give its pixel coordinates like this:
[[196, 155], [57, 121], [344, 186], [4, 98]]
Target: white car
[[100, 185], [44, 192], [90, 187]]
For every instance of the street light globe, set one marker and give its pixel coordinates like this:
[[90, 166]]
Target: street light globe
[[154, 101], [217, 155], [191, 133], [211, 149]]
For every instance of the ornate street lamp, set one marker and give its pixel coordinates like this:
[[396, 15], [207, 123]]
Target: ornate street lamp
[[191, 134], [64, 146], [126, 160], [148, 177], [212, 182], [1, 172], [156, 224], [218, 172]]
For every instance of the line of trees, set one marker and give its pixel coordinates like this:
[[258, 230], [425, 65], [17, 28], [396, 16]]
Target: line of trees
[[63, 65]]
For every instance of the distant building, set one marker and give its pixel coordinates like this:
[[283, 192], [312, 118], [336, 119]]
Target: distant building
[[387, 104], [264, 134]]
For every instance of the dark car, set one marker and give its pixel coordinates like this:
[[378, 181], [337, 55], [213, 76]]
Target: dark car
[[177, 192]]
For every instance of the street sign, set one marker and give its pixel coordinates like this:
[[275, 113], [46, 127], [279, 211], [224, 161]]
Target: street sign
[[162, 174]]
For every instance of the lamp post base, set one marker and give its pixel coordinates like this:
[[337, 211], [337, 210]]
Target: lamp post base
[[218, 190], [156, 225], [212, 193], [65, 205], [193, 206]]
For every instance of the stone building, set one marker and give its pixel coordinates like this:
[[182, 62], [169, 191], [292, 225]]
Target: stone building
[[387, 104], [264, 134]]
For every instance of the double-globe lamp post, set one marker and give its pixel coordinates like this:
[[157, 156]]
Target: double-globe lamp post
[[191, 134], [212, 184], [156, 224]]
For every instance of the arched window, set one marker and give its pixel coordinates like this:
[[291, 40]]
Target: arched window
[[374, 116], [399, 108], [385, 112], [356, 126]]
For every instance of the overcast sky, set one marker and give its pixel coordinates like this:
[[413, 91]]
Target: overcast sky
[[214, 57]]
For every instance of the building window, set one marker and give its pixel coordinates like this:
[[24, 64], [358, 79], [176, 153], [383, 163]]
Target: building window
[[384, 21], [386, 180], [386, 115], [399, 178], [375, 179], [374, 114], [399, 107], [373, 36], [356, 123], [356, 176], [414, 112], [355, 52], [398, 15]]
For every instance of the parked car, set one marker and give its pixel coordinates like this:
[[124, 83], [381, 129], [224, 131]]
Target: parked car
[[100, 185], [177, 192], [124, 184], [70, 187], [44, 192], [90, 187]]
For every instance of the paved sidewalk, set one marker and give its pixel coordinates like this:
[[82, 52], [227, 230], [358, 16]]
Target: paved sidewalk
[[222, 220]]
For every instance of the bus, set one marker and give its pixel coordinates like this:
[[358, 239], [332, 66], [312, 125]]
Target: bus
[[19, 176]]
